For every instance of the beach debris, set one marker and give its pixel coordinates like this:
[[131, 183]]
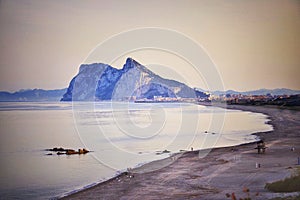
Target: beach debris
[[246, 191], [222, 161], [129, 173], [124, 176], [233, 196], [63, 151]]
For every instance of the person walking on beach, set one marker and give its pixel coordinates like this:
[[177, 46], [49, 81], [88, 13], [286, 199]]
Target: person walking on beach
[[261, 147]]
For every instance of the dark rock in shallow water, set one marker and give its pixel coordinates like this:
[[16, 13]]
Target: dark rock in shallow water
[[56, 149], [61, 151], [71, 151], [162, 152], [83, 151]]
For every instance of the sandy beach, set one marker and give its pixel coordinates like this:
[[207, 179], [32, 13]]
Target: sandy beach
[[223, 171]]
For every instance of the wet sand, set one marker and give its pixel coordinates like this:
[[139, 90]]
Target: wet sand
[[223, 171]]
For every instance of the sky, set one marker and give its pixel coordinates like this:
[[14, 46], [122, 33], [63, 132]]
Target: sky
[[253, 44]]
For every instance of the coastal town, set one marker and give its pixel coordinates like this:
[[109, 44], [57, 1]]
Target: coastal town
[[231, 99], [268, 99]]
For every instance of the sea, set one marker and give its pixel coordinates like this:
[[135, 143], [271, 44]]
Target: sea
[[120, 136]]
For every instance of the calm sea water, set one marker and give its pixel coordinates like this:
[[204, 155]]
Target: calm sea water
[[121, 135]]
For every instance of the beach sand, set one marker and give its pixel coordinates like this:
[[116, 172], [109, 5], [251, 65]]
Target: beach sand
[[222, 171]]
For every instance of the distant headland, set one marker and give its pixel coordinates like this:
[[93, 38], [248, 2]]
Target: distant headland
[[136, 83]]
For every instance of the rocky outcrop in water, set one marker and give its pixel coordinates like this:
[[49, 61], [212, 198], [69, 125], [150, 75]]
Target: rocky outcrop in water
[[62, 151], [98, 82]]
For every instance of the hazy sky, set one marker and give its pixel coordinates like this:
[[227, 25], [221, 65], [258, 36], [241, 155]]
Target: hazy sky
[[255, 44]]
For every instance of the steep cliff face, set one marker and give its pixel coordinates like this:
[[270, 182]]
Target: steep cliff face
[[83, 86], [103, 82]]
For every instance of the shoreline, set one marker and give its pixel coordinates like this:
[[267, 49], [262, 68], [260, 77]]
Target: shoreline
[[126, 184]]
